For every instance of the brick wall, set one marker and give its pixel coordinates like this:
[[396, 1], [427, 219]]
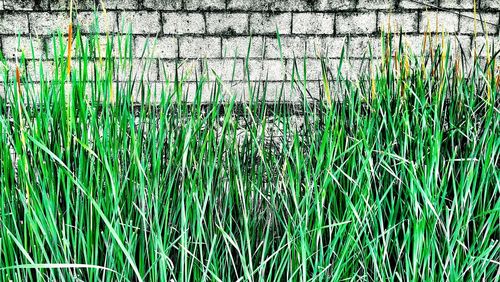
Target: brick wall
[[213, 34]]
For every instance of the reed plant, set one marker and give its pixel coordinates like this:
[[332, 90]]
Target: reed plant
[[392, 176]]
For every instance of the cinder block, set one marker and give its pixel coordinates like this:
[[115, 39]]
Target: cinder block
[[485, 23], [356, 23], [81, 5], [39, 68], [200, 47], [187, 70], [353, 69], [140, 69], [483, 46], [490, 4], [48, 23], [267, 70], [25, 5], [169, 5], [396, 22], [335, 5], [12, 46], [415, 43], [149, 93], [360, 47], [14, 23], [326, 47], [376, 4], [311, 69], [224, 69], [457, 4], [312, 23], [268, 23], [205, 5], [439, 22], [288, 47], [97, 23], [227, 23], [119, 4], [243, 46], [274, 91], [421, 5], [161, 47], [181, 23], [97, 48], [142, 22], [268, 5], [226, 90]]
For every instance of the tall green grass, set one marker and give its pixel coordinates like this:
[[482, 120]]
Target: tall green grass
[[397, 180]]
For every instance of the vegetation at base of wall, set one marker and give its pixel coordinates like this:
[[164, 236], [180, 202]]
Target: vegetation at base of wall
[[396, 180]]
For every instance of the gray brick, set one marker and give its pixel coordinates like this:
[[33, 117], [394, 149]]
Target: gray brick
[[225, 69], [360, 47], [13, 45], [360, 23], [313, 23], [48, 23], [205, 4], [161, 47], [290, 5], [26, 5], [439, 22], [415, 43], [325, 47], [278, 90], [272, 5], [81, 5], [272, 70], [14, 23], [227, 23], [338, 5], [179, 23], [467, 23], [154, 89], [490, 4], [376, 4], [169, 5], [142, 22], [313, 69], [460, 42], [266, 23], [457, 4], [104, 22], [481, 45], [120, 4], [146, 69], [351, 69], [238, 47], [9, 67], [187, 70], [200, 47], [47, 69], [406, 4], [406, 22], [99, 47], [236, 90], [290, 47]]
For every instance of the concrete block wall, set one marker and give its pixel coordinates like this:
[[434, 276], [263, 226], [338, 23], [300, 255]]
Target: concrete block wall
[[213, 35]]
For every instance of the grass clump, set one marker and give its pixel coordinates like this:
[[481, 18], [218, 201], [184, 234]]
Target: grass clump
[[399, 180]]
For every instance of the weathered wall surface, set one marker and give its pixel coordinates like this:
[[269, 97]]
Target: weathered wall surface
[[218, 30]]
